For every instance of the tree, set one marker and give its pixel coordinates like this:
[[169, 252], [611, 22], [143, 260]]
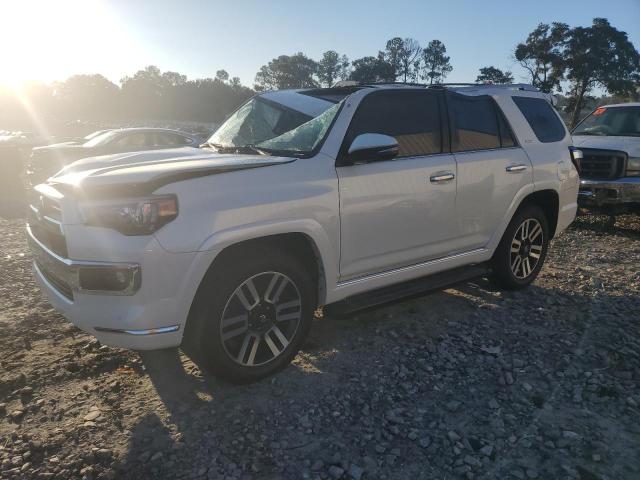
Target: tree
[[295, 71], [81, 96], [435, 64], [494, 75], [599, 56], [222, 75], [409, 60], [542, 55], [372, 70], [332, 67], [391, 55]]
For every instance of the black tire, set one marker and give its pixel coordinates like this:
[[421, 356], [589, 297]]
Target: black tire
[[218, 293], [504, 261]]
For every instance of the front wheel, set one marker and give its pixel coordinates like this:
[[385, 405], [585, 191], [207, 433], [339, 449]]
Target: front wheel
[[521, 253], [252, 315]]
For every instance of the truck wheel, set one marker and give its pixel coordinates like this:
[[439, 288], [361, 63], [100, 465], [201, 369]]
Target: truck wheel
[[252, 314], [522, 250]]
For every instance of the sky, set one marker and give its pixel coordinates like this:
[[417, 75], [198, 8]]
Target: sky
[[47, 40]]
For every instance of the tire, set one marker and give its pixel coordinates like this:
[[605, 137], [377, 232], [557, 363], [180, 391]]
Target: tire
[[529, 233], [251, 314]]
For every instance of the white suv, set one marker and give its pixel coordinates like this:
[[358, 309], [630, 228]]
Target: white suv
[[348, 196]]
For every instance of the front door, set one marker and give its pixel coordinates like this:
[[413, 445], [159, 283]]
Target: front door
[[397, 212]]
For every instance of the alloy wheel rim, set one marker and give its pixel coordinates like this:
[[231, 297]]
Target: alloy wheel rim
[[526, 248], [260, 319]]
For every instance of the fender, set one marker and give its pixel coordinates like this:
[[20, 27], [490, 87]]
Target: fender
[[515, 204], [328, 253]]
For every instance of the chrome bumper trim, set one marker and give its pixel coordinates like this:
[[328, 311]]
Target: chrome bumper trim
[[610, 192], [151, 331], [68, 270]]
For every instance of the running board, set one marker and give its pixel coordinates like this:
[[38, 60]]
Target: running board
[[412, 288]]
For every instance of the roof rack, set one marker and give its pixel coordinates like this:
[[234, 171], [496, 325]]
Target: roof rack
[[511, 86]]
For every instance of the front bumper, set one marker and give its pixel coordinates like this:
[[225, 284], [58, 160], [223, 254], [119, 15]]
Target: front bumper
[[603, 193], [149, 314]]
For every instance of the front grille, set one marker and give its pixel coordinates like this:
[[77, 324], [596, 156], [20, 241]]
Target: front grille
[[45, 220], [60, 285], [602, 164]]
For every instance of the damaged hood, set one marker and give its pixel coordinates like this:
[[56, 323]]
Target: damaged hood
[[157, 167], [630, 145]]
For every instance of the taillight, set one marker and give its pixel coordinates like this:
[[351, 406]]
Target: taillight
[[576, 157]]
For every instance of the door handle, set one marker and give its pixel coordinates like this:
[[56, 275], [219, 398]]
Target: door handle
[[442, 177], [516, 168]]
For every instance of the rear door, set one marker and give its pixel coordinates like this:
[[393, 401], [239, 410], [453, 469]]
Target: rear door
[[398, 212], [492, 168]]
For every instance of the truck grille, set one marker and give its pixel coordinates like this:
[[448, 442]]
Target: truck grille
[[45, 220], [602, 164]]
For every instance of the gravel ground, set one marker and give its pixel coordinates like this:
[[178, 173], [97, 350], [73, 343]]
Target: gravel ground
[[466, 383]]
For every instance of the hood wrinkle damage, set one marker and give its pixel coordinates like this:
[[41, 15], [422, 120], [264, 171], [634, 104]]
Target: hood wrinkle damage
[[147, 171]]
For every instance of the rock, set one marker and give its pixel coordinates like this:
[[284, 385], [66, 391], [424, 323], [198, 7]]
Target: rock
[[453, 405], [424, 442], [487, 450], [92, 415], [317, 465], [16, 415], [472, 461], [493, 404], [336, 472], [103, 454], [356, 472], [532, 473]]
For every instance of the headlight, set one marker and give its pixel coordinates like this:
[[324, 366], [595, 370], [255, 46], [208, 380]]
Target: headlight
[[633, 167], [135, 216]]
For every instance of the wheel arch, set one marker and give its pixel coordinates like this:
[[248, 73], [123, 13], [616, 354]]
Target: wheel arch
[[549, 201]]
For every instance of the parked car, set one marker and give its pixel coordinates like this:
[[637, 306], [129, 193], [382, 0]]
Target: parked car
[[340, 197], [47, 160], [609, 138]]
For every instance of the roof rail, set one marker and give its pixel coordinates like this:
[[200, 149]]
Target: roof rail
[[510, 86]]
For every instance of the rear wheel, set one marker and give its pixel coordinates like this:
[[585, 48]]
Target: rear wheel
[[252, 314], [522, 250]]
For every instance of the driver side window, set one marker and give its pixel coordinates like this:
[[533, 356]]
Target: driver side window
[[411, 117]]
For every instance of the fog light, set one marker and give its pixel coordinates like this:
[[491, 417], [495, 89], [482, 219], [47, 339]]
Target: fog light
[[109, 279]]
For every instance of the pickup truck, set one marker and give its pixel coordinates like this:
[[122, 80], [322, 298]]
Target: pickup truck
[[609, 140], [341, 197]]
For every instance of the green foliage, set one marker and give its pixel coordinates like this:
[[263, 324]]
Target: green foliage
[[435, 63], [542, 55], [372, 70], [494, 76], [599, 56], [332, 67], [287, 71]]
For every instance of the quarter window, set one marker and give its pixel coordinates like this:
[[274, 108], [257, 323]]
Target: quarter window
[[475, 123], [411, 117], [541, 117]]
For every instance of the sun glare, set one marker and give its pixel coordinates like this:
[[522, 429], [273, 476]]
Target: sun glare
[[49, 40]]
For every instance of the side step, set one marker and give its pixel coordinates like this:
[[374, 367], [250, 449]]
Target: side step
[[404, 290]]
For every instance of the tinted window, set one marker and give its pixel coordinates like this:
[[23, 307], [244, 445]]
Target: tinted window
[[543, 120], [171, 139], [506, 135], [475, 123], [135, 140], [412, 117]]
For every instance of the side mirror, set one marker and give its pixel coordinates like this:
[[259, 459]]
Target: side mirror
[[372, 147]]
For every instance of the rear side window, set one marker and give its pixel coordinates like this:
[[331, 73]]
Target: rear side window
[[474, 122], [543, 120], [412, 117]]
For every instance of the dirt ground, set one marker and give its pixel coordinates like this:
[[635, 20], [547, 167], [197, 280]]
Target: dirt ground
[[467, 383]]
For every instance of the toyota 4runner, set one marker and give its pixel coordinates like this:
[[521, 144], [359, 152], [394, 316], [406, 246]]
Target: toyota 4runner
[[347, 197]]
